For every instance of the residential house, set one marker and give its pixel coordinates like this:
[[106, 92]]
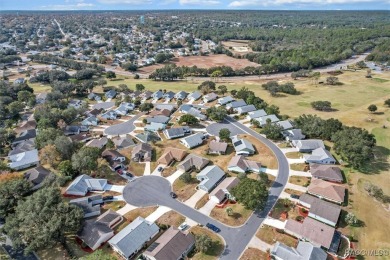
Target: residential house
[[155, 127], [191, 110], [96, 232], [75, 129], [242, 146], [172, 155], [222, 191], [124, 108], [245, 109], [326, 172], [304, 251], [176, 132], [25, 136], [264, 119], [110, 115], [225, 100], [285, 124], [162, 112], [94, 112], [94, 96], [123, 142], [90, 205], [84, 184], [41, 98], [192, 162], [293, 134], [90, 121], [193, 141], [236, 104], [327, 190], [216, 147], [130, 240], [104, 105], [210, 97], [256, 114], [169, 95], [142, 152], [320, 156], [146, 95], [30, 124], [110, 94], [157, 95], [148, 137], [169, 107], [36, 176], [173, 244], [82, 137], [210, 177], [19, 81], [98, 143], [24, 146], [158, 119], [306, 146], [24, 160], [181, 95], [240, 164], [194, 96], [321, 210], [311, 230], [115, 159], [75, 103]]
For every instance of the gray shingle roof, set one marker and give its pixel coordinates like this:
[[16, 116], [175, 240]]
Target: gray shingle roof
[[257, 113], [195, 95], [193, 140], [246, 109], [24, 159], [236, 104], [321, 208], [85, 183], [211, 175], [158, 119]]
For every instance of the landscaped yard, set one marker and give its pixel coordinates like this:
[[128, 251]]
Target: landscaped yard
[[214, 251], [183, 190], [114, 205], [238, 217], [271, 236], [284, 208], [133, 214], [254, 254], [300, 180], [171, 218], [136, 168], [299, 167]]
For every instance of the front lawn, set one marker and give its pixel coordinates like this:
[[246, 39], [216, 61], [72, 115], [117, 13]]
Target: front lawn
[[294, 155], [133, 214], [202, 201], [238, 217], [293, 192], [253, 254], [183, 190], [171, 218], [270, 235], [114, 205], [302, 167], [300, 180], [136, 168], [216, 249], [284, 208]]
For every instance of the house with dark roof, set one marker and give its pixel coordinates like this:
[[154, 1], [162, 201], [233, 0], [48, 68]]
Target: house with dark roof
[[104, 105], [74, 130], [303, 251], [194, 96], [24, 146], [326, 172], [23, 160], [158, 119], [98, 143], [242, 146], [157, 95], [162, 112], [172, 155], [222, 191], [192, 141], [90, 205], [225, 100], [327, 190], [30, 124], [146, 95], [169, 95], [84, 184], [210, 97], [94, 112], [216, 147], [142, 152], [173, 244], [75, 103], [293, 134], [24, 136], [321, 210], [256, 114], [147, 137], [210, 177], [114, 158], [192, 162], [130, 240], [90, 121], [236, 104], [123, 142], [240, 164], [110, 115], [97, 231], [320, 156], [36, 176], [82, 137], [306, 146], [110, 94], [176, 132], [181, 95], [41, 98]]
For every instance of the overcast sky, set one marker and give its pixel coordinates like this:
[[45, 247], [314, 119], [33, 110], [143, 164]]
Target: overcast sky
[[194, 4]]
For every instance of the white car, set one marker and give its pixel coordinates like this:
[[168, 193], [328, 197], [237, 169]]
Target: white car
[[183, 226]]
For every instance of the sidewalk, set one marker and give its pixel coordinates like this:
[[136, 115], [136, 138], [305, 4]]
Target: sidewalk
[[117, 188], [299, 173], [276, 223], [147, 168], [259, 244]]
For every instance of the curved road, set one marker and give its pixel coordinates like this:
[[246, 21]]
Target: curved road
[[122, 128], [152, 190]]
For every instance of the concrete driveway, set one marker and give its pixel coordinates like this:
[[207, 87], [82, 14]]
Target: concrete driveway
[[191, 202], [116, 188], [276, 223], [174, 176], [208, 207], [157, 213], [122, 128], [296, 187], [127, 208], [147, 168], [156, 172]]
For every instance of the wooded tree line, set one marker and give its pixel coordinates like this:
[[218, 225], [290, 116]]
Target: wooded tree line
[[381, 53]]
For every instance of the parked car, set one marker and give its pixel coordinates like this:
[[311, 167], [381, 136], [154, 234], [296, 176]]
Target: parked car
[[294, 196], [173, 195], [120, 172], [183, 226], [109, 197], [213, 228], [129, 174], [160, 169]]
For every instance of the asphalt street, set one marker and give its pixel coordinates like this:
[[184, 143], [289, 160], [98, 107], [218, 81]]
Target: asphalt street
[[122, 128], [154, 190]]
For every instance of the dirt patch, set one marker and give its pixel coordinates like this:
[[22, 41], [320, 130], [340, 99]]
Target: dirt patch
[[300, 180], [253, 254], [171, 218], [238, 216], [299, 167], [270, 235], [284, 208], [293, 192], [202, 201]]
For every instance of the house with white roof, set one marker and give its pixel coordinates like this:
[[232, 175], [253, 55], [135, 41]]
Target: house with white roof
[[242, 146], [84, 184], [210, 177], [263, 120], [24, 160]]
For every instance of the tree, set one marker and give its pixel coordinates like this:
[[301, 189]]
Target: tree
[[321, 105], [351, 219], [47, 136], [11, 191], [332, 80], [139, 87], [146, 107], [387, 102], [256, 198], [216, 113], [110, 75], [229, 211], [272, 131], [203, 243], [25, 96], [15, 108], [224, 134], [222, 89], [43, 219], [188, 119], [66, 169], [101, 82], [186, 177], [49, 155], [372, 108], [64, 146], [206, 87], [216, 74], [85, 160]]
